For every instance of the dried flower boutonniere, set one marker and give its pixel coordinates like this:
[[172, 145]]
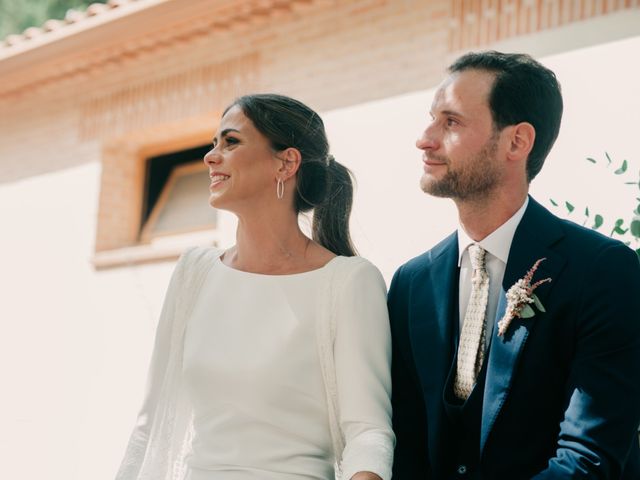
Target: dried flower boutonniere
[[519, 298]]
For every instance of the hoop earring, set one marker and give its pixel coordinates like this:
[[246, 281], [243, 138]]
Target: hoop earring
[[280, 189]]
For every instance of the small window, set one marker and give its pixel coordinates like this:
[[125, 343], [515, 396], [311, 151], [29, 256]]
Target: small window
[[177, 195]]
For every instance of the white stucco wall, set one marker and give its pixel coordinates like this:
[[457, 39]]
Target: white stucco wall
[[75, 342]]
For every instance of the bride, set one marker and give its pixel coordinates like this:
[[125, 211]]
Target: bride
[[272, 357]]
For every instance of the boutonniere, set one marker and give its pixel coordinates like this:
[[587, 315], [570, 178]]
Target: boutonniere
[[520, 297]]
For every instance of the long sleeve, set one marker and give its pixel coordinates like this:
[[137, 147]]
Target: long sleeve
[[411, 456], [137, 449], [603, 392], [161, 436], [362, 360]]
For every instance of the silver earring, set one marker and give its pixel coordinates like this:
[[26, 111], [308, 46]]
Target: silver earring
[[280, 189]]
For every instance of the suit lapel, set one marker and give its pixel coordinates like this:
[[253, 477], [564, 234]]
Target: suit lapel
[[537, 232], [431, 325]]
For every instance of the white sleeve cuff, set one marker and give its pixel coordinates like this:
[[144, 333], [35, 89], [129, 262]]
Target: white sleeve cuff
[[371, 451]]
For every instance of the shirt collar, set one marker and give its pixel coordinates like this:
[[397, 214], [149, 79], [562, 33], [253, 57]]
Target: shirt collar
[[498, 242]]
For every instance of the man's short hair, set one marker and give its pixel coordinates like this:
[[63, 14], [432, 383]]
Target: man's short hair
[[523, 91]]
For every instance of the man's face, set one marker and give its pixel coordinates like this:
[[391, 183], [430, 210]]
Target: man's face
[[460, 144]]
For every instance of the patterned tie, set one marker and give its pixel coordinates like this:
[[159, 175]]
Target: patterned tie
[[472, 338]]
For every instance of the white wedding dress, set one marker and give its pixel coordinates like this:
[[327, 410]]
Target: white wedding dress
[[252, 376], [260, 410]]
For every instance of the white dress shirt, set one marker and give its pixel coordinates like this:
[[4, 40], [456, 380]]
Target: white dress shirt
[[497, 245]]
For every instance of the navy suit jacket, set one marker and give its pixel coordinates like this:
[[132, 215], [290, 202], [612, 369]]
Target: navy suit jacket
[[562, 394]]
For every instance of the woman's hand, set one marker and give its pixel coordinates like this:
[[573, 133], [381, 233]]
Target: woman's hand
[[365, 476]]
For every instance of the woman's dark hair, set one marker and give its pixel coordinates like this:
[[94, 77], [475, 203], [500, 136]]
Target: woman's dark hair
[[323, 185], [523, 91]]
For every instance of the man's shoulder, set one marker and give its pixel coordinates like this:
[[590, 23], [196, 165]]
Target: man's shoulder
[[574, 239], [583, 241], [426, 259]]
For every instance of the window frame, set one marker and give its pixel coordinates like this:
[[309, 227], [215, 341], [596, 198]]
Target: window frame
[[146, 231]]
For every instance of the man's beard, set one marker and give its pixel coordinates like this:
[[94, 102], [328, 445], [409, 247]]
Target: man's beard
[[475, 179]]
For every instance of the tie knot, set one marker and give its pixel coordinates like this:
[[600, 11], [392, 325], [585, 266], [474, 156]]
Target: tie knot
[[476, 255]]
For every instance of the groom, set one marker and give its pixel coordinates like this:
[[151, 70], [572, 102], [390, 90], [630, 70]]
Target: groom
[[542, 382]]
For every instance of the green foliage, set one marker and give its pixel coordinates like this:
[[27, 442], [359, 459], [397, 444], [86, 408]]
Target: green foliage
[[538, 303], [622, 169], [618, 228], [527, 311], [17, 15], [627, 230], [597, 222]]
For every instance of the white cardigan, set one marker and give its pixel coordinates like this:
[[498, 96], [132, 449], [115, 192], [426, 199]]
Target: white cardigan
[[162, 436]]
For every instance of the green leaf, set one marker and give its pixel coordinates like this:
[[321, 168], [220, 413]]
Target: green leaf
[[586, 211], [553, 202], [570, 207], [622, 169], [617, 227], [592, 160], [608, 158], [638, 253], [527, 312], [635, 227], [598, 221], [538, 303]]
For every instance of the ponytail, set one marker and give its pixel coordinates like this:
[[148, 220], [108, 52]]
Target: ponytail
[[331, 218]]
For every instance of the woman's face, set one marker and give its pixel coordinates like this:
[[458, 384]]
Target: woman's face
[[242, 165]]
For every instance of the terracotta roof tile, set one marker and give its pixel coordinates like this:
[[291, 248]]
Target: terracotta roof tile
[[32, 32], [96, 9], [51, 25], [13, 39], [72, 17]]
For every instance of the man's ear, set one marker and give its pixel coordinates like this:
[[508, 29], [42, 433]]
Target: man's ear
[[521, 138], [290, 159]]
